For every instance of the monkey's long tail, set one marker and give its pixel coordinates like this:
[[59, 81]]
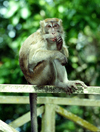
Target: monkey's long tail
[[33, 109]]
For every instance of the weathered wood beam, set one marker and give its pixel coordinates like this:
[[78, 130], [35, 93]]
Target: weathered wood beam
[[25, 118], [6, 128], [76, 119], [12, 88], [49, 100], [14, 99]]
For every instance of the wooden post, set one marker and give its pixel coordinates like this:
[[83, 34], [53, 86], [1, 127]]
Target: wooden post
[[33, 108], [48, 119]]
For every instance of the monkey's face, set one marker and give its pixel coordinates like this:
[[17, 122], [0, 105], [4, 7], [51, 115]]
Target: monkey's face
[[51, 29]]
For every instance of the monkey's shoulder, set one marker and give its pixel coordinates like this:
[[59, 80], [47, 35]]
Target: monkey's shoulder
[[33, 38]]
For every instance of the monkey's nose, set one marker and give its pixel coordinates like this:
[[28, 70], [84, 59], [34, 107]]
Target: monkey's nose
[[53, 33]]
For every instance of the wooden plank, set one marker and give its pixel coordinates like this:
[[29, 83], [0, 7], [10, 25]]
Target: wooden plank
[[48, 118], [76, 119], [6, 128], [14, 99], [12, 88], [25, 118], [68, 101], [49, 100]]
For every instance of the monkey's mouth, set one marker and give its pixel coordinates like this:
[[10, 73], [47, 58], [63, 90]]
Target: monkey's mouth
[[53, 39]]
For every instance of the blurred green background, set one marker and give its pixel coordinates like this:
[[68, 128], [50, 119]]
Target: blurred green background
[[81, 21]]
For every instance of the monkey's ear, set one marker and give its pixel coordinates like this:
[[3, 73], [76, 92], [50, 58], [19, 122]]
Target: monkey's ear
[[41, 23], [42, 26], [60, 22]]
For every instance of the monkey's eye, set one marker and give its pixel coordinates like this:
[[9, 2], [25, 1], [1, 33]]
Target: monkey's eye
[[48, 26], [56, 25]]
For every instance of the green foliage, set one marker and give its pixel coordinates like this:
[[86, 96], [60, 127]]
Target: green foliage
[[20, 18]]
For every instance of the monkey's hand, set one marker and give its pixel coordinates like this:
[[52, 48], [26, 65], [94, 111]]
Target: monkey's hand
[[59, 42], [60, 57], [72, 86]]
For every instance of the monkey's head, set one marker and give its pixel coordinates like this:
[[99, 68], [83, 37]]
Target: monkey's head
[[51, 28]]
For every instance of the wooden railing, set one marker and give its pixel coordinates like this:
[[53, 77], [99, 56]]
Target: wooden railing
[[51, 106]]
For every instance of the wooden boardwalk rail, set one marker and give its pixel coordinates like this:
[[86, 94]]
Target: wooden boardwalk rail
[[50, 108]]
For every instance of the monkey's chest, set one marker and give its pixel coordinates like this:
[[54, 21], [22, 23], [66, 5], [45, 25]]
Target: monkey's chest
[[52, 47]]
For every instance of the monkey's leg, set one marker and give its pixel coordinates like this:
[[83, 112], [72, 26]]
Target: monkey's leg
[[43, 56], [43, 74], [62, 80]]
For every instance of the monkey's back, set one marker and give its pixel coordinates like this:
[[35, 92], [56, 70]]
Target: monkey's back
[[29, 44]]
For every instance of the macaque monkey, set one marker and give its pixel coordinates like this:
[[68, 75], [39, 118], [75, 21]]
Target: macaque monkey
[[43, 56]]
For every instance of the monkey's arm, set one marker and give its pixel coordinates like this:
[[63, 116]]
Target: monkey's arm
[[60, 42], [65, 51], [41, 55]]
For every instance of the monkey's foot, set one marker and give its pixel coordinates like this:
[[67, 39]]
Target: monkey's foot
[[72, 86]]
